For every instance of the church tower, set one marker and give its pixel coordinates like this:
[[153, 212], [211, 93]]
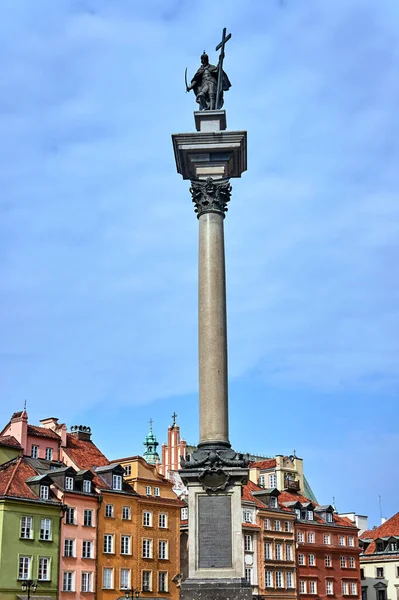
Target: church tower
[[151, 455], [173, 450]]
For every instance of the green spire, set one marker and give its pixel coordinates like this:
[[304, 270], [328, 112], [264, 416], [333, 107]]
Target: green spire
[[151, 455]]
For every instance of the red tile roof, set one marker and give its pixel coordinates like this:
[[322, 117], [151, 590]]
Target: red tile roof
[[85, 455], [13, 476], [387, 529], [269, 463], [42, 432], [291, 497], [10, 442], [247, 494]]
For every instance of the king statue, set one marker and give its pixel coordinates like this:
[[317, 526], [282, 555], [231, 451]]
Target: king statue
[[205, 85]]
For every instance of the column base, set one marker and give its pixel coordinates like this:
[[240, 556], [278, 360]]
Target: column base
[[216, 589]]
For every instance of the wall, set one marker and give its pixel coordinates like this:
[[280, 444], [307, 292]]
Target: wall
[[7, 453], [391, 578]]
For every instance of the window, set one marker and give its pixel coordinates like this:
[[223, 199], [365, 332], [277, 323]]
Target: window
[[298, 513], [156, 491], [147, 519], [45, 529], [302, 587], [70, 516], [344, 588], [268, 551], [312, 587], [26, 528], [43, 492], [69, 547], [184, 513], [125, 544], [162, 581], [289, 579], [267, 524], [326, 538], [351, 541], [68, 583], [69, 483], [343, 562], [329, 588], [248, 543], [310, 518], [146, 581], [279, 579], [380, 547], [86, 582], [109, 511], [311, 561], [88, 517], [277, 525], [272, 480], [248, 574], [379, 572], [163, 520], [108, 579], [43, 572], [125, 579], [361, 573], [108, 547], [300, 537], [364, 593], [397, 571], [87, 549], [261, 481], [310, 538], [353, 588], [148, 490], [287, 526], [278, 553], [341, 540], [126, 514], [24, 567], [147, 548], [273, 501], [393, 547], [117, 482], [327, 560], [49, 454], [128, 470], [34, 452], [247, 514], [301, 559], [87, 486], [269, 578], [351, 562], [288, 552], [329, 517]]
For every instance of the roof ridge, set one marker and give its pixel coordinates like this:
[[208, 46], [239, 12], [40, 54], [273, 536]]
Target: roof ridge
[[18, 462]]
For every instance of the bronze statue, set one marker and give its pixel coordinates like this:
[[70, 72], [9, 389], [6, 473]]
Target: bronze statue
[[210, 81]]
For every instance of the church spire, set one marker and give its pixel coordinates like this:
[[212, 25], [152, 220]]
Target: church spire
[[151, 455]]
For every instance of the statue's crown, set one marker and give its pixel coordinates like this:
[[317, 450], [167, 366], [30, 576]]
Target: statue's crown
[[204, 55]]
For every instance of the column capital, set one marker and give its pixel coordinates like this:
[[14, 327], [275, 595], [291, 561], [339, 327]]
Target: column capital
[[210, 196]]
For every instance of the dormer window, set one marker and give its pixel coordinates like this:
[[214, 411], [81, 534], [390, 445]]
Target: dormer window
[[298, 513], [261, 482], [380, 547], [69, 483], [273, 502], [329, 517], [87, 486], [128, 470], [272, 480], [310, 515], [393, 546], [117, 482], [44, 492]]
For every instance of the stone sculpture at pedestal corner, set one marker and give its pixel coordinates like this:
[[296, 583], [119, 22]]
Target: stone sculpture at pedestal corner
[[214, 473]]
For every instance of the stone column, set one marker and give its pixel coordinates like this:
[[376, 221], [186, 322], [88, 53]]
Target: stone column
[[212, 326]]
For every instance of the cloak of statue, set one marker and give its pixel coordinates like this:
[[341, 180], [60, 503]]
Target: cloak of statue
[[196, 82]]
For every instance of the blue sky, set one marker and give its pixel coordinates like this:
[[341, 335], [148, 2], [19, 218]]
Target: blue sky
[[98, 238]]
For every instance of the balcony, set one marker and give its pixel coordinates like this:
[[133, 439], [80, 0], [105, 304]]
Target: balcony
[[291, 485]]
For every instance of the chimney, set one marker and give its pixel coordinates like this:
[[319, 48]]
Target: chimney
[[383, 519], [82, 432], [18, 427]]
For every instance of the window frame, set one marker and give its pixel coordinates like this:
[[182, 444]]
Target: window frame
[[117, 482], [163, 588], [44, 492], [164, 553], [85, 545], [24, 561], [88, 575], [70, 587], [110, 572], [69, 543], [88, 522], [46, 533], [147, 513], [48, 568], [26, 528], [129, 578], [147, 548], [109, 542], [126, 511], [34, 451], [126, 542], [163, 521]]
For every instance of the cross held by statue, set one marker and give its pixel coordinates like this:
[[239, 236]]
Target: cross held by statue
[[220, 47]]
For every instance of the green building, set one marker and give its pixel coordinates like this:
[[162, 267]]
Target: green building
[[30, 520]]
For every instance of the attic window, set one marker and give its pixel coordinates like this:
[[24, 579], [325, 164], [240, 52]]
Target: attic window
[[69, 483], [128, 470], [329, 517], [87, 486], [273, 502], [117, 482], [43, 492], [298, 513], [380, 547], [310, 515]]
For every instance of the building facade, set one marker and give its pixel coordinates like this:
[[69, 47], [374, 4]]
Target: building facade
[[379, 561]]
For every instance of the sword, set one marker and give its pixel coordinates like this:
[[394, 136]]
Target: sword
[[185, 78]]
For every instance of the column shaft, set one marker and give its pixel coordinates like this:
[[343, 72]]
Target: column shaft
[[213, 393]]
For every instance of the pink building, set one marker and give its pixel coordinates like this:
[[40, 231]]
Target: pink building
[[173, 450]]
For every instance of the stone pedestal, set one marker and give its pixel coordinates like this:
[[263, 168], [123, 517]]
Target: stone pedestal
[[214, 473]]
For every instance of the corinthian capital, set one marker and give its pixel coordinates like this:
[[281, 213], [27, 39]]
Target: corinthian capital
[[210, 195]]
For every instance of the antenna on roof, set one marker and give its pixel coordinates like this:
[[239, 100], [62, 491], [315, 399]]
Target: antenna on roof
[[25, 404], [334, 507]]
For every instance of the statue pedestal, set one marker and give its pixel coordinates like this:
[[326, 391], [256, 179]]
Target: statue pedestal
[[210, 120]]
